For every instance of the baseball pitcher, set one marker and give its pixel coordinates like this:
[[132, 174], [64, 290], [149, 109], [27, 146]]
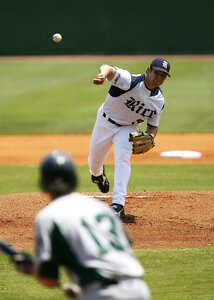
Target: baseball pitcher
[[131, 100]]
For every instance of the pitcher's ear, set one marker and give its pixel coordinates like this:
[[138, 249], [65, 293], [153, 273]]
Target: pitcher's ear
[[148, 70]]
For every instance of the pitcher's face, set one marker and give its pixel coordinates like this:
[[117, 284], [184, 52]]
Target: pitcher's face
[[154, 78]]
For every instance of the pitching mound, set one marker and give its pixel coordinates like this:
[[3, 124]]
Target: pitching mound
[[172, 219]]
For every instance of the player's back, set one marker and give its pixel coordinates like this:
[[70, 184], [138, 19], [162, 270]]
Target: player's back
[[92, 236]]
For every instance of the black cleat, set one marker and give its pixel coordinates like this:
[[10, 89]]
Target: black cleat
[[101, 181], [118, 210]]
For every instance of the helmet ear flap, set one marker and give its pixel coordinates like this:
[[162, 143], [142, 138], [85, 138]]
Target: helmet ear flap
[[58, 185]]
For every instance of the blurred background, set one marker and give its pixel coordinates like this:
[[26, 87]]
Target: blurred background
[[106, 27]]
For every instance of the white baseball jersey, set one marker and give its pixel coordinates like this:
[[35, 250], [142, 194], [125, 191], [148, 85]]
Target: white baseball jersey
[[85, 236], [129, 101]]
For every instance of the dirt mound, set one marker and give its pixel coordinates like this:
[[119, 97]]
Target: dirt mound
[[172, 219]]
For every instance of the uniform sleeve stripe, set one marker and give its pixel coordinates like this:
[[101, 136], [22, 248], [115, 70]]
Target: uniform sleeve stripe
[[135, 79]]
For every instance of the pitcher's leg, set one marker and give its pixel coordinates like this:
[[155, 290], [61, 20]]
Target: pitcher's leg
[[101, 142], [122, 154], [121, 178]]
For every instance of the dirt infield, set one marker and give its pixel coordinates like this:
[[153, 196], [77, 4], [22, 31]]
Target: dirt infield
[[29, 149], [166, 219], [172, 219]]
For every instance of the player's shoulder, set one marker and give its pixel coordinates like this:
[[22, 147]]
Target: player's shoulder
[[136, 79], [54, 207], [44, 213], [43, 217]]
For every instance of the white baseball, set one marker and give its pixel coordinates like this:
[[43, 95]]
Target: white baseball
[[57, 37]]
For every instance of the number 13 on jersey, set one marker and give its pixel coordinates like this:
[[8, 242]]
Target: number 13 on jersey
[[105, 225]]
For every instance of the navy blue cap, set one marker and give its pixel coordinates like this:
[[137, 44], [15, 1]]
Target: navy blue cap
[[161, 64]]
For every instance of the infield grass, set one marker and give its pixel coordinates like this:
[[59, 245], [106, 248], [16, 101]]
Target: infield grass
[[172, 274], [179, 274], [17, 179], [59, 97]]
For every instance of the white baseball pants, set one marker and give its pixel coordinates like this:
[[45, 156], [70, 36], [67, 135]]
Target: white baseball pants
[[104, 135], [130, 289]]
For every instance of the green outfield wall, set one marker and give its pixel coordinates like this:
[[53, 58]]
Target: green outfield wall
[[106, 27]]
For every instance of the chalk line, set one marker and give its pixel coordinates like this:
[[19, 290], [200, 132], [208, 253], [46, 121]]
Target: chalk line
[[107, 197]]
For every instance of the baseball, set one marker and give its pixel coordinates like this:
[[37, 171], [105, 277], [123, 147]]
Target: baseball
[[57, 37]]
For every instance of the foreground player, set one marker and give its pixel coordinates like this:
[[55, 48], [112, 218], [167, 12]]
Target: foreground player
[[131, 100], [83, 235]]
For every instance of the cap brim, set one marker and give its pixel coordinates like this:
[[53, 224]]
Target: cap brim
[[162, 70]]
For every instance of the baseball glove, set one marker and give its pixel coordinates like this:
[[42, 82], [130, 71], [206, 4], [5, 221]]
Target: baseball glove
[[141, 142]]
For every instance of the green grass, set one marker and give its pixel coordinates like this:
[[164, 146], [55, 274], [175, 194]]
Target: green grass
[[14, 285], [59, 97], [179, 274], [17, 179], [171, 177], [172, 274], [188, 98]]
